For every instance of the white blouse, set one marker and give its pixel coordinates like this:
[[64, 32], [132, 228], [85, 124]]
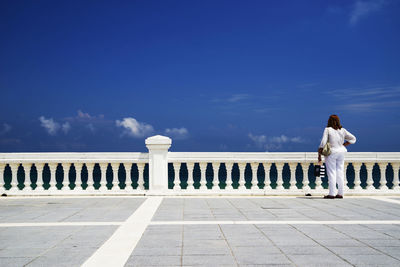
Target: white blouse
[[336, 139]]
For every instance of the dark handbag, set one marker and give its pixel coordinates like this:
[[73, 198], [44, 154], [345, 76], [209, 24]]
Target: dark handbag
[[319, 170]]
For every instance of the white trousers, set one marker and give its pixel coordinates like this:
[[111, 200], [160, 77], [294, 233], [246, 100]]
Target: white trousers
[[335, 170]]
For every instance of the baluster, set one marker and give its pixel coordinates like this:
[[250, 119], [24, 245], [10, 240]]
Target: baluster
[[345, 182], [177, 166], [267, 180], [254, 178], [39, 181], [396, 167], [115, 181], [357, 179], [382, 168], [292, 167], [229, 166], [215, 182], [370, 181], [279, 181], [318, 181], [78, 180], [306, 182], [128, 178], [27, 171], [242, 169], [14, 176], [53, 182], [65, 182], [203, 181], [90, 181], [2, 166], [140, 182], [190, 182], [103, 177]]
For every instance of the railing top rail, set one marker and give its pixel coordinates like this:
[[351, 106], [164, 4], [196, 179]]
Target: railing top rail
[[248, 157], [84, 157], [277, 157]]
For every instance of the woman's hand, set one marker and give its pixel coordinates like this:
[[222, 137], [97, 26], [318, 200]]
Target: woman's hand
[[319, 154]]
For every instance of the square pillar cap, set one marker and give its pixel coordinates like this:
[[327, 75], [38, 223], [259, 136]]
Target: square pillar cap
[[158, 140]]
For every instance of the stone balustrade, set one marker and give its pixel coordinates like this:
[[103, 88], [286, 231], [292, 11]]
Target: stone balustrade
[[190, 173], [279, 173], [72, 173]]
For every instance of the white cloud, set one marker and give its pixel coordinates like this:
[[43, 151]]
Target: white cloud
[[177, 133], [274, 142], [66, 127], [238, 97], [372, 99], [83, 115], [134, 128], [6, 128], [364, 8], [259, 140], [50, 125]]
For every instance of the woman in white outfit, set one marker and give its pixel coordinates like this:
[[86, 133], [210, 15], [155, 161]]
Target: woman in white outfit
[[339, 138]]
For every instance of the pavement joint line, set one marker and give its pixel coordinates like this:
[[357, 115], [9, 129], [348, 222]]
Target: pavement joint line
[[321, 245], [118, 248], [60, 224], [44, 224], [61, 197], [386, 199], [274, 222]]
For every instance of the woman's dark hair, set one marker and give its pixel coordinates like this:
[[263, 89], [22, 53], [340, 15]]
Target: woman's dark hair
[[334, 122]]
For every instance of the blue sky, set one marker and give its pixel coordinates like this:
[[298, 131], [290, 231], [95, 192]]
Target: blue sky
[[213, 75]]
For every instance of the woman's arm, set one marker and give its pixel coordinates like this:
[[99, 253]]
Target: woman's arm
[[322, 144], [319, 154], [351, 139], [324, 138]]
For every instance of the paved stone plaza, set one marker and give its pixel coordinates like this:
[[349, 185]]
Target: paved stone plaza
[[214, 231]]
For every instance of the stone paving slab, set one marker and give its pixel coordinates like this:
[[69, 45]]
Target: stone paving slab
[[243, 245], [203, 209], [51, 246], [198, 244], [67, 209]]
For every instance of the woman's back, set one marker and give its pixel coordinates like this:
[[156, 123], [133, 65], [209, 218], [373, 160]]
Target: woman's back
[[336, 138]]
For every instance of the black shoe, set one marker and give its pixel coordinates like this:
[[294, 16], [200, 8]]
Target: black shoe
[[338, 196], [329, 197]]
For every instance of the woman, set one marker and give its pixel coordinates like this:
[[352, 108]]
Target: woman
[[338, 138]]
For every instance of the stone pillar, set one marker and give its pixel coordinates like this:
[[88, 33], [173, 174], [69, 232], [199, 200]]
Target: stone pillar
[[215, 182], [203, 180], [396, 167], [103, 177], [293, 181], [279, 180], [254, 178], [357, 179], [242, 170], [177, 180], [370, 180], [158, 162], [2, 166], [190, 181], [66, 166]]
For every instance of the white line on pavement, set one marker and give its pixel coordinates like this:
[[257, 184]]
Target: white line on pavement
[[387, 199], [273, 222], [117, 249], [59, 224]]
